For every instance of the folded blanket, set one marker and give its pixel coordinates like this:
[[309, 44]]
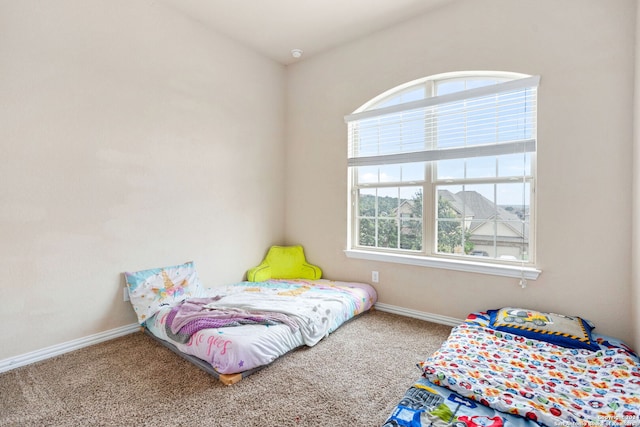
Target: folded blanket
[[190, 316], [311, 313]]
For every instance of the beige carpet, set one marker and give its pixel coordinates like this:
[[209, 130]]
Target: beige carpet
[[355, 377]]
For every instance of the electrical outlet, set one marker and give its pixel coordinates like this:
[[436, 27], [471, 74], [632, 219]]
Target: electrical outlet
[[375, 277], [125, 294]]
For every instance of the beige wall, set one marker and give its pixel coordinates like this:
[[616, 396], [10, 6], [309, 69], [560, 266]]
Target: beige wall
[[584, 53], [125, 145], [635, 254]]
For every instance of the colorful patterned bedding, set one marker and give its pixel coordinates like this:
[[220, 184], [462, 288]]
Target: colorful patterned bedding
[[315, 307], [534, 380], [426, 404]]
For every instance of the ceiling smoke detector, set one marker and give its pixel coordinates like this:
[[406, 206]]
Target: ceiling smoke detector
[[296, 53]]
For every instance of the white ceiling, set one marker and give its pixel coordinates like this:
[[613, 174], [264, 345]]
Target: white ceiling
[[275, 27]]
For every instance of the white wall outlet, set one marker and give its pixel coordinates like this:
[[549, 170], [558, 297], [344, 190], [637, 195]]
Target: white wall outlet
[[375, 277], [125, 294]]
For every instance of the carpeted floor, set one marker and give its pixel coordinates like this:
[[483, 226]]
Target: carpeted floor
[[355, 377]]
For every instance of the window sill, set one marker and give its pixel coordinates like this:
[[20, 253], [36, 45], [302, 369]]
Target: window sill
[[516, 271]]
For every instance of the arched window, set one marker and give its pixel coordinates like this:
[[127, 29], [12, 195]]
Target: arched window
[[444, 168]]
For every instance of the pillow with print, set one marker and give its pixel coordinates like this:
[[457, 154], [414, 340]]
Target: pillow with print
[[565, 331], [166, 286]]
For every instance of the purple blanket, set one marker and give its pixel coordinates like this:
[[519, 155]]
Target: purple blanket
[[190, 316]]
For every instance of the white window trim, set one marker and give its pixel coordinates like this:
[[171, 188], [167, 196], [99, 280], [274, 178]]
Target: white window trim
[[456, 96], [515, 271], [523, 271]]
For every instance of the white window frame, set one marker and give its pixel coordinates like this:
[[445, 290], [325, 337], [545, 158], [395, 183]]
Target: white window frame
[[427, 257]]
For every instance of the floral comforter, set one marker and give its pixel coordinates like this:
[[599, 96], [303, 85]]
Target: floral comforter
[[549, 384]]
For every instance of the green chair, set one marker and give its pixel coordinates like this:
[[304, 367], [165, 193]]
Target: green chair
[[284, 262]]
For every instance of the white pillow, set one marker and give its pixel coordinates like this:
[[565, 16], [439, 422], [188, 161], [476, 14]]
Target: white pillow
[[151, 289]]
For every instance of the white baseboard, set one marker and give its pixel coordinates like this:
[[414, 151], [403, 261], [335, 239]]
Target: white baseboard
[[58, 349], [429, 317]]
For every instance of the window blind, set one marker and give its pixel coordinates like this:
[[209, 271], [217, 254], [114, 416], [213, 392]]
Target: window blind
[[485, 121]]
